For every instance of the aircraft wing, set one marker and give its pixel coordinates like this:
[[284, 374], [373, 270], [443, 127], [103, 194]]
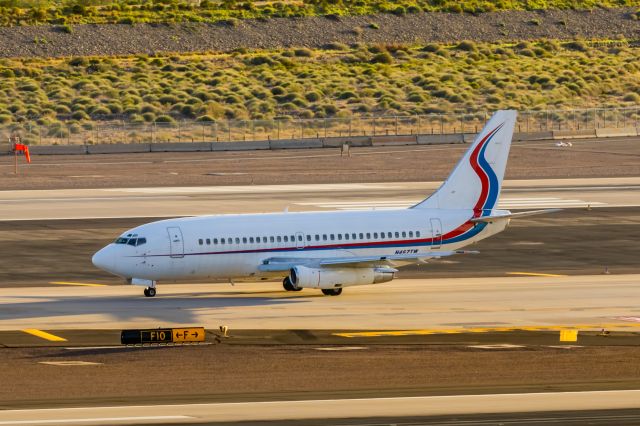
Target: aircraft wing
[[276, 264]]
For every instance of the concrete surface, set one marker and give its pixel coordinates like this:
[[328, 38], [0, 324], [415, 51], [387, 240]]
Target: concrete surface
[[185, 201], [587, 302], [331, 408]]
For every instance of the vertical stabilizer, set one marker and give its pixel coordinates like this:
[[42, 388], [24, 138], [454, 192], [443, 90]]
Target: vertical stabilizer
[[477, 178]]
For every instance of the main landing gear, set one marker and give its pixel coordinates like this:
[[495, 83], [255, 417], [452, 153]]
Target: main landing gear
[[288, 285], [332, 291], [150, 291]]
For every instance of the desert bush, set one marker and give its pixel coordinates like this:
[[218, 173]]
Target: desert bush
[[382, 58]]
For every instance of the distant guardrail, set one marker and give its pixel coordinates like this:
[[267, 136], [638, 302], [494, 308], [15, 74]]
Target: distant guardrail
[[90, 133]]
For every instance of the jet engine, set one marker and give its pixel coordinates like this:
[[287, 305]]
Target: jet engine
[[327, 278]]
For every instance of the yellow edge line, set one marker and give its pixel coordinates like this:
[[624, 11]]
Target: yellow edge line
[[79, 284], [535, 274], [395, 333], [44, 335]]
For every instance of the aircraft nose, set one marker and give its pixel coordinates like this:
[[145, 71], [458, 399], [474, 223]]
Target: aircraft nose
[[104, 259]]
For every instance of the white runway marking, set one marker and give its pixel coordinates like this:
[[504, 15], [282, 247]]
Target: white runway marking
[[107, 420], [69, 363], [504, 203]]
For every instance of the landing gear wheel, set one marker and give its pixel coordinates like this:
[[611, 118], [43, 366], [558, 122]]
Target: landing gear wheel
[[332, 291], [150, 292]]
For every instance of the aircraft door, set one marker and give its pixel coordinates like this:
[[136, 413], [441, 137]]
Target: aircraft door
[[436, 234], [299, 240], [176, 243]]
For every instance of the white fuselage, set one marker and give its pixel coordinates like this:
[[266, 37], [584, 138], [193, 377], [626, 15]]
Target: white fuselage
[[234, 246]]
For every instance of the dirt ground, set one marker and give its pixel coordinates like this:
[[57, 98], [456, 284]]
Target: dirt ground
[[222, 372], [528, 160]]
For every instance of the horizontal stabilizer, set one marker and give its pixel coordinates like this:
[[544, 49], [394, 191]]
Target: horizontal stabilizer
[[489, 219]]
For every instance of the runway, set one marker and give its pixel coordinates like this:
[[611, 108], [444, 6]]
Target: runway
[[370, 408], [586, 302], [185, 201]]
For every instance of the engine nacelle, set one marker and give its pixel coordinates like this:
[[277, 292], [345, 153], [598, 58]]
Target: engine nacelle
[[326, 278]]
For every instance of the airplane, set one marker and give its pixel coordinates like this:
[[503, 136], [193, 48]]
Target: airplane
[[327, 250]]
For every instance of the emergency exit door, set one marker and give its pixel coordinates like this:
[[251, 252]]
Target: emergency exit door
[[436, 234]]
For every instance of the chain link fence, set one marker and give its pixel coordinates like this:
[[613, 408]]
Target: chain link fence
[[287, 129]]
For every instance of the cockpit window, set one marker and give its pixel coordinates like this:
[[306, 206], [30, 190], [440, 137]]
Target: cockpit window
[[131, 240]]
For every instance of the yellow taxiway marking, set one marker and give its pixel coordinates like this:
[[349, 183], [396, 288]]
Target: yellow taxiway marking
[[79, 284], [535, 274], [396, 333], [44, 335]]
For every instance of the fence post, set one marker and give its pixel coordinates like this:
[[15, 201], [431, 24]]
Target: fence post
[[396, 125], [441, 124], [418, 129], [374, 126]]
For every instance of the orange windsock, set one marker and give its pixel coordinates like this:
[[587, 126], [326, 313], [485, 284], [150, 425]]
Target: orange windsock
[[23, 148]]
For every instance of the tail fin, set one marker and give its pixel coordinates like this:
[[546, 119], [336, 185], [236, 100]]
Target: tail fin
[[476, 180]]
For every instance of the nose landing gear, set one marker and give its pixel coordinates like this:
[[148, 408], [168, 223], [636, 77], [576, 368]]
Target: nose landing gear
[[150, 285]]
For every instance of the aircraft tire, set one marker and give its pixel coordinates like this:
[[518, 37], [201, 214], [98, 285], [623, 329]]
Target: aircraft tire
[[150, 292], [332, 291]]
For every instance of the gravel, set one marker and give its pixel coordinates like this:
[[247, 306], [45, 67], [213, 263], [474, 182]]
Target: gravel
[[117, 39]]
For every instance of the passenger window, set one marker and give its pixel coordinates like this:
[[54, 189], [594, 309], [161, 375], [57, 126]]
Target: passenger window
[[390, 234], [404, 234], [353, 236], [368, 235], [324, 237], [375, 235], [272, 239], [332, 236], [417, 233], [317, 237], [286, 239], [308, 237], [208, 241], [346, 236], [200, 241], [397, 234], [279, 238], [340, 236], [299, 237], [361, 236], [410, 234], [264, 239], [237, 240], [251, 240], [244, 240], [293, 238]]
